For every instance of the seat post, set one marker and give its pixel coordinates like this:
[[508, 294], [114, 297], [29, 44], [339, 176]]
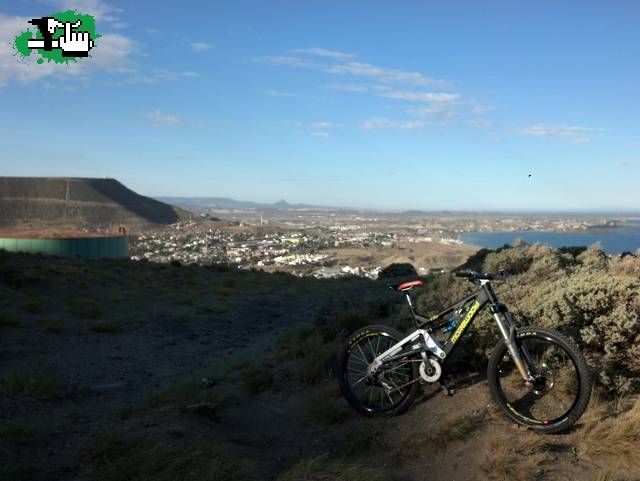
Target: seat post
[[408, 296]]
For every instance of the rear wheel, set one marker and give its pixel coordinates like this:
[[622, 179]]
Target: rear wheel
[[389, 392], [562, 387]]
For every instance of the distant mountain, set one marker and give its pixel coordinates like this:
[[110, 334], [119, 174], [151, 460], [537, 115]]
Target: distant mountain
[[56, 202], [199, 203]]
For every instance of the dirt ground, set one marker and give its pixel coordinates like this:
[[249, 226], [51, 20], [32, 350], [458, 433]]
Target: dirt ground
[[425, 255]]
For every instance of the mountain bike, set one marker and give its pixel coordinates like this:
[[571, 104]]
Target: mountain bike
[[536, 375]]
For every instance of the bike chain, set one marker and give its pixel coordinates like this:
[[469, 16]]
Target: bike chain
[[410, 382]]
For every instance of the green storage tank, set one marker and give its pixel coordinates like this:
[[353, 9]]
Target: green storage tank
[[110, 247]]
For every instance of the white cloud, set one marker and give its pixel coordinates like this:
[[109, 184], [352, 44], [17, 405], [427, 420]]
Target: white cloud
[[481, 109], [287, 61], [321, 135], [322, 125], [100, 9], [280, 93], [385, 123], [430, 106], [347, 87], [571, 132], [112, 52], [361, 69], [164, 120], [628, 163], [440, 112], [200, 46], [436, 97], [323, 52], [154, 76], [349, 68], [481, 123]]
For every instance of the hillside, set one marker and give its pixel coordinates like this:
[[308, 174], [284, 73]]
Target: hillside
[[120, 370], [204, 203], [75, 203]]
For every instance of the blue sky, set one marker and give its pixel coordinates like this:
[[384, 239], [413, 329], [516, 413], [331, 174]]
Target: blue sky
[[395, 105]]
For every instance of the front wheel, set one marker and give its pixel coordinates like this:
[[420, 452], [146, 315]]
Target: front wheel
[[562, 382], [390, 391]]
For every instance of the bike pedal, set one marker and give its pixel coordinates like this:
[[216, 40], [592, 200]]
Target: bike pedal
[[448, 391]]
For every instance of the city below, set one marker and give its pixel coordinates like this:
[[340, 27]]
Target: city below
[[334, 243]]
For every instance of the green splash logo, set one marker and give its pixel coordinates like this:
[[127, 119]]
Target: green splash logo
[[61, 37]]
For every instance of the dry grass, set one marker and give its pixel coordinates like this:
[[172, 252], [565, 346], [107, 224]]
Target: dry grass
[[462, 427], [520, 458], [115, 459], [322, 468], [609, 474], [322, 410], [363, 435], [191, 397], [458, 429], [611, 431]]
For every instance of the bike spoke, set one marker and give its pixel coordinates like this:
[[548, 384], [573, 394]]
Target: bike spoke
[[387, 390], [558, 377]]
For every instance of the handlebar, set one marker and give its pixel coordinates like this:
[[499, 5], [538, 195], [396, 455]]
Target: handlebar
[[476, 276]]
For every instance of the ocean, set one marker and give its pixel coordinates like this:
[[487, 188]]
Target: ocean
[[614, 240]]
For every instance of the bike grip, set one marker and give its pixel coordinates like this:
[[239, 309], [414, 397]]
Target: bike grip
[[463, 274]]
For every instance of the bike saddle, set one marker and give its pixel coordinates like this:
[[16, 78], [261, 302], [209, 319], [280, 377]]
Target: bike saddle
[[403, 286]]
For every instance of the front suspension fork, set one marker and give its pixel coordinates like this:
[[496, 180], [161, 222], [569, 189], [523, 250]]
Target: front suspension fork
[[520, 356]]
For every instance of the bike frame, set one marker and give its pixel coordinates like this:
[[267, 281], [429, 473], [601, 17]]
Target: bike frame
[[422, 342]]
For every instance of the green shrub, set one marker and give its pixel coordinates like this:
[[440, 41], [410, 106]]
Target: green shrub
[[323, 412], [106, 327], [33, 306], [398, 270], [319, 363], [54, 327], [86, 309], [39, 382], [295, 343], [514, 259], [9, 318], [257, 378]]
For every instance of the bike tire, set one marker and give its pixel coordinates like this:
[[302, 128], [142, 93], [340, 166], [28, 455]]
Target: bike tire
[[582, 382], [370, 335]]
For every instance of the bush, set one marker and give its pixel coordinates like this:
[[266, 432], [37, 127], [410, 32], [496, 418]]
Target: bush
[[398, 270], [39, 382], [257, 378], [594, 299], [515, 260], [9, 318], [86, 309]]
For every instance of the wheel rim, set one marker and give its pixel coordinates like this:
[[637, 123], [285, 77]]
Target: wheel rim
[[387, 390], [556, 387]]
